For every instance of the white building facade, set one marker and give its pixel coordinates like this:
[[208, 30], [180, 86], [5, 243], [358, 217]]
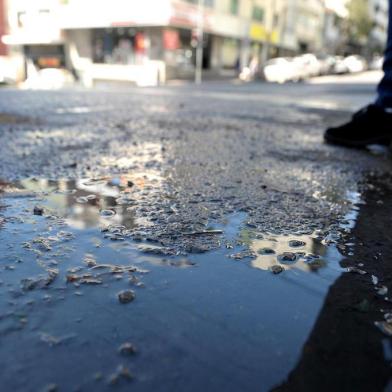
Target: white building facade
[[99, 39]]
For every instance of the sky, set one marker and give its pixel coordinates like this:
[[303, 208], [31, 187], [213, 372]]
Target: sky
[[338, 6]]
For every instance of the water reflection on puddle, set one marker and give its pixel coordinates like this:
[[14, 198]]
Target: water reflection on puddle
[[89, 203], [299, 252]]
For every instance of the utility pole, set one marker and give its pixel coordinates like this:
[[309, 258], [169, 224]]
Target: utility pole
[[270, 28], [200, 38]]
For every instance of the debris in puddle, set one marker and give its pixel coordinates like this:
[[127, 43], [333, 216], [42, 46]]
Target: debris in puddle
[[122, 201], [38, 210], [356, 270], [82, 200], [113, 268], [315, 263], [135, 281], [287, 258], [243, 255], [126, 296], [107, 213], [197, 248], [296, 244], [203, 232], [121, 372], [89, 280], [266, 251], [89, 259], [156, 250], [95, 181], [277, 269], [64, 236], [83, 279], [53, 340], [182, 263], [374, 280], [43, 244], [39, 282], [9, 267], [127, 349], [114, 237], [383, 290], [388, 317], [74, 270]]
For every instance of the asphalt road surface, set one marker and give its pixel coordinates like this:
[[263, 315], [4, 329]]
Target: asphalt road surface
[[191, 238]]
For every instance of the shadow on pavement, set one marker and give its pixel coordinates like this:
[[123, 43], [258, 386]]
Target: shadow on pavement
[[345, 351]]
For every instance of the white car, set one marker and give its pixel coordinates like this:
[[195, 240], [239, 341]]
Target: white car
[[355, 64], [281, 70], [376, 63], [339, 66], [309, 64]]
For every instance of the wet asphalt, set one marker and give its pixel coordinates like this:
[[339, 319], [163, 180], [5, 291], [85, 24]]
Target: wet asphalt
[[217, 210]]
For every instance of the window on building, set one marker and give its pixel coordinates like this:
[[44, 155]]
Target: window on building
[[275, 22], [258, 13], [21, 18], [234, 7]]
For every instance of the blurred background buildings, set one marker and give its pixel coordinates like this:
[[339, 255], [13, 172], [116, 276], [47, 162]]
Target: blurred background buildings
[[150, 41]]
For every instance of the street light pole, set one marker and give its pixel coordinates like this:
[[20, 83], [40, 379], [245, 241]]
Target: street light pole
[[270, 29], [199, 48]]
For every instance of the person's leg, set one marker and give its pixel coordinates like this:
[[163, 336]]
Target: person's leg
[[385, 88], [373, 124]]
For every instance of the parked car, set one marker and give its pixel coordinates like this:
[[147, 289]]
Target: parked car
[[355, 64], [339, 67], [281, 70], [376, 63], [309, 64], [327, 64]]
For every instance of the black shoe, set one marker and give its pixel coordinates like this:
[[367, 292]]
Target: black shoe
[[371, 125]]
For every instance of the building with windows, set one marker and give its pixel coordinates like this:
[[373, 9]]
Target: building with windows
[[333, 36], [115, 38], [379, 15], [157, 39], [336, 39]]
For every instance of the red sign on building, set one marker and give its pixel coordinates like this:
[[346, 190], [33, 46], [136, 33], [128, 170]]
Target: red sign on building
[[3, 47], [171, 39]]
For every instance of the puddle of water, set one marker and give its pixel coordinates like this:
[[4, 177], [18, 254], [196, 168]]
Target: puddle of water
[[208, 316]]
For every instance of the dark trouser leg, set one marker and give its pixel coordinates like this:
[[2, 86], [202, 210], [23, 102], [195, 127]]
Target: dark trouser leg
[[385, 87]]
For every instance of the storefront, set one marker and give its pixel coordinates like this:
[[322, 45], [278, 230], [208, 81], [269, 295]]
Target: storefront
[[121, 45]]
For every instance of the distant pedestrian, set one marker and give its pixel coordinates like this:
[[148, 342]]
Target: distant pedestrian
[[372, 124]]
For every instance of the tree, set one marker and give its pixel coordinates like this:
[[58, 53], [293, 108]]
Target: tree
[[359, 21]]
